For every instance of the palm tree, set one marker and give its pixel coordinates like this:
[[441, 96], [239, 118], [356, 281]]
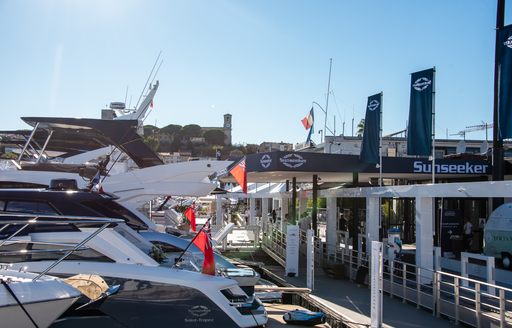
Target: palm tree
[[360, 128]]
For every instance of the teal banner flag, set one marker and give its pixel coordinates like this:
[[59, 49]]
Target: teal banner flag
[[505, 83], [371, 134], [419, 131]]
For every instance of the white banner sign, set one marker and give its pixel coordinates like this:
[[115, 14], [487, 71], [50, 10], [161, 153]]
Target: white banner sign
[[376, 285], [292, 250], [310, 260]]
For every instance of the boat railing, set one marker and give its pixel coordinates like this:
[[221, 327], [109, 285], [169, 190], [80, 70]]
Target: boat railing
[[26, 220]]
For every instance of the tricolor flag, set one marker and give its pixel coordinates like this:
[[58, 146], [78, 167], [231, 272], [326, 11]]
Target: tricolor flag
[[203, 242], [239, 172], [95, 183], [190, 213], [308, 122]]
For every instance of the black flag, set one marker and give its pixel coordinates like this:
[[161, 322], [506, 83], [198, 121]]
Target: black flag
[[505, 96], [371, 134], [419, 132]]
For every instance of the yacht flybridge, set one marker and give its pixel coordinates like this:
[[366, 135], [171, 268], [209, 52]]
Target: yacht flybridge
[[149, 294], [77, 144]]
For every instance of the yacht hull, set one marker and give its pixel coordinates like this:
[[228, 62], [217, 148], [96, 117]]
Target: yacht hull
[[147, 298], [44, 299], [43, 313]]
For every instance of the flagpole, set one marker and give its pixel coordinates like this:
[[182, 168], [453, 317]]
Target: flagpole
[[380, 139], [434, 126], [190, 243], [327, 99]]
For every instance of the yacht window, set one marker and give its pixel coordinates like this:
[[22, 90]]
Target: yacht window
[[112, 209], [166, 248], [51, 253], [21, 185], [2, 205], [30, 207]]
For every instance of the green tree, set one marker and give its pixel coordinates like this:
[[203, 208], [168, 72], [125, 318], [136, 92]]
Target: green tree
[[171, 129], [360, 128], [150, 130], [152, 142], [214, 137], [251, 149], [191, 130]]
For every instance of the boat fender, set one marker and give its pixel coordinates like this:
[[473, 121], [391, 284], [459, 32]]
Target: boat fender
[[304, 317]]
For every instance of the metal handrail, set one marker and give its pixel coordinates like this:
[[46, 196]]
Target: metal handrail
[[40, 251], [476, 281], [56, 219], [32, 219]]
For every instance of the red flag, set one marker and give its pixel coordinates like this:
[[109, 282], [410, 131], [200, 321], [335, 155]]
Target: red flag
[[239, 172], [202, 241], [190, 213]]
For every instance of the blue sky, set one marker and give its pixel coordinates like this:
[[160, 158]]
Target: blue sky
[[262, 61]]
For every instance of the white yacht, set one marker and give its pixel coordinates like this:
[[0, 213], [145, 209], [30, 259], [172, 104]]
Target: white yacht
[[25, 302], [150, 294]]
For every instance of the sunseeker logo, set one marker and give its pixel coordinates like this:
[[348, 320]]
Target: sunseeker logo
[[199, 310], [265, 161], [199, 313], [508, 43], [466, 168], [421, 84], [373, 105], [292, 161]]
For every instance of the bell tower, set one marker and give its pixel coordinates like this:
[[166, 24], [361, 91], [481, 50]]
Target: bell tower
[[227, 129]]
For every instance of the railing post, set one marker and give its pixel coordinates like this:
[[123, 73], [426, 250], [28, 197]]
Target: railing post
[[456, 293], [404, 281], [391, 275], [477, 304], [502, 308], [350, 266], [434, 295], [418, 296], [438, 294]]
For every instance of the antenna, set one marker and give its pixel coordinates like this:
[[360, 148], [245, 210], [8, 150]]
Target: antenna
[[352, 120], [126, 95], [149, 77], [484, 126]]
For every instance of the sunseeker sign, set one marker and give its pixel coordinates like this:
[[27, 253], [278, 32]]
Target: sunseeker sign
[[460, 168], [292, 160]]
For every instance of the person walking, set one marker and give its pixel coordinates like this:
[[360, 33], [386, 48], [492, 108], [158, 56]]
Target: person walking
[[468, 234]]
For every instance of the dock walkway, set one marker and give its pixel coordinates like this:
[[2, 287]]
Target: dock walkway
[[353, 302]]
